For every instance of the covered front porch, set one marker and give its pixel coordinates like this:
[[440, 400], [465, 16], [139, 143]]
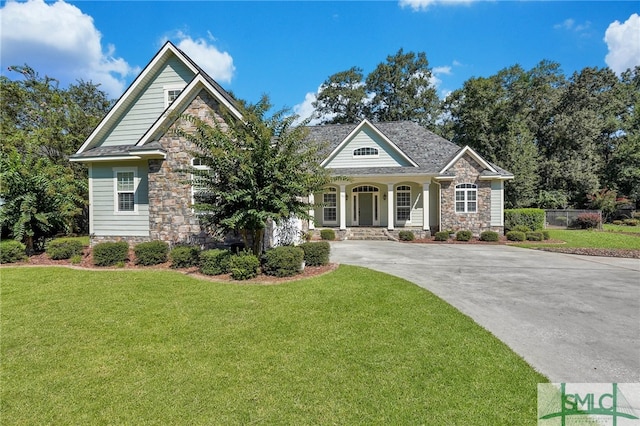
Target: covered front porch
[[401, 203]]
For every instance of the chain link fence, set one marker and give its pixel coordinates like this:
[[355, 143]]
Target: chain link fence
[[564, 219]]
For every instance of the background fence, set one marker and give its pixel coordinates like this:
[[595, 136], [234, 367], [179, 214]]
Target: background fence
[[566, 218]]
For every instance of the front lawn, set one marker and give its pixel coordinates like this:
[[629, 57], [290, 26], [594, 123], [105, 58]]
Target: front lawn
[[621, 228], [157, 347], [578, 238]]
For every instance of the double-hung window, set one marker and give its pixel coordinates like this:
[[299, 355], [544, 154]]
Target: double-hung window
[[330, 206], [125, 183], [171, 94], [198, 188], [403, 203], [466, 198]]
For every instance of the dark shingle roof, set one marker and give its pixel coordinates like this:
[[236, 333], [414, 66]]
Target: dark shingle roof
[[118, 150]]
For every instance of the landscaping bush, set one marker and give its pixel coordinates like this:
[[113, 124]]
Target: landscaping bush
[[534, 236], [489, 236], [244, 266], [533, 218], [215, 262], [464, 235], [64, 248], [283, 261], [631, 222], [184, 256], [151, 253], [110, 253], [316, 254], [521, 228], [327, 234], [516, 236], [587, 221], [406, 236], [442, 236], [12, 251], [618, 222], [545, 234]]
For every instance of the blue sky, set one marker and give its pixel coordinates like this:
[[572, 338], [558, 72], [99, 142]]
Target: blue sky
[[287, 49]]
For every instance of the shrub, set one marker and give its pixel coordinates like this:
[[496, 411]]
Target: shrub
[[316, 254], [110, 253], [587, 221], [617, 222], [406, 236], [545, 234], [442, 236], [534, 236], [64, 248], [489, 236], [327, 234], [244, 266], [76, 259], [516, 236], [533, 218], [631, 222], [215, 262], [12, 251], [151, 253], [464, 235], [283, 261], [521, 228], [184, 256]]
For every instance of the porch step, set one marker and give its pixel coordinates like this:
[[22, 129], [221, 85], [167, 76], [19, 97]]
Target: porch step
[[369, 234]]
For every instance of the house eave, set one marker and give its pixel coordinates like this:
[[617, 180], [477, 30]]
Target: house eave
[[145, 155]]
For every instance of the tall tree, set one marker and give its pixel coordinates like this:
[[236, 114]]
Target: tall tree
[[260, 168], [342, 98]]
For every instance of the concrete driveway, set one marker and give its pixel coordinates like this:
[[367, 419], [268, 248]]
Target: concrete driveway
[[575, 319]]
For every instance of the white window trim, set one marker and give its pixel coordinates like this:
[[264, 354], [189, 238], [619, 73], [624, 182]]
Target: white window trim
[[136, 182], [334, 192], [466, 200], [167, 89], [193, 188], [376, 155], [399, 191]]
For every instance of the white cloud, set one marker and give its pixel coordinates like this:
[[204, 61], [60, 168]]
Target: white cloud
[[217, 64], [422, 5], [305, 110], [59, 40], [623, 41], [570, 24]]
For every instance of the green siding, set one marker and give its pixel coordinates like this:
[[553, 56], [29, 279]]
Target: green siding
[[387, 157], [146, 109], [105, 221], [496, 203]]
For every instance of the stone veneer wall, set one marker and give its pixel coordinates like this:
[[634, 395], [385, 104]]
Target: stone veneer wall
[[467, 170], [171, 217]]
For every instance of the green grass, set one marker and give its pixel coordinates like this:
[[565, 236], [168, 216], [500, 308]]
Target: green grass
[[576, 238], [157, 347], [621, 228]]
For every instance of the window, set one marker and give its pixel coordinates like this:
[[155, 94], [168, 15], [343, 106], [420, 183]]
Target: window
[[126, 181], [365, 152], [466, 198], [403, 203], [198, 193], [171, 94], [330, 205]]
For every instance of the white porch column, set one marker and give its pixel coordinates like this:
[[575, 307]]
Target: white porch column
[[343, 207], [425, 205], [390, 216], [312, 212]]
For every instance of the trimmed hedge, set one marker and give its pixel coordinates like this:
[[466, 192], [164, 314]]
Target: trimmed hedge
[[151, 253], [64, 248], [406, 236], [283, 261], [184, 256], [328, 234], [534, 236], [532, 218], [316, 254], [215, 261], [516, 236], [441, 236], [244, 266], [545, 234], [12, 251], [110, 253], [464, 235], [489, 236], [521, 228]]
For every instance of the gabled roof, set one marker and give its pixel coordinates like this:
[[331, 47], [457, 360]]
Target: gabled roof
[[200, 80], [431, 154]]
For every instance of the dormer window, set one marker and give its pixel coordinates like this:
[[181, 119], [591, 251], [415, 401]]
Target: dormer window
[[365, 152], [171, 94]]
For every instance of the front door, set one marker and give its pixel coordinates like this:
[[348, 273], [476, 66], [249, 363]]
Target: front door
[[365, 209]]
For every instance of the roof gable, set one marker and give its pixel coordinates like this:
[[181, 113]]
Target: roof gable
[[467, 150], [366, 146]]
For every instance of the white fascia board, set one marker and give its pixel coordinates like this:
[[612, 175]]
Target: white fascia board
[[501, 177], [444, 178], [468, 150], [181, 102], [363, 123], [142, 78]]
